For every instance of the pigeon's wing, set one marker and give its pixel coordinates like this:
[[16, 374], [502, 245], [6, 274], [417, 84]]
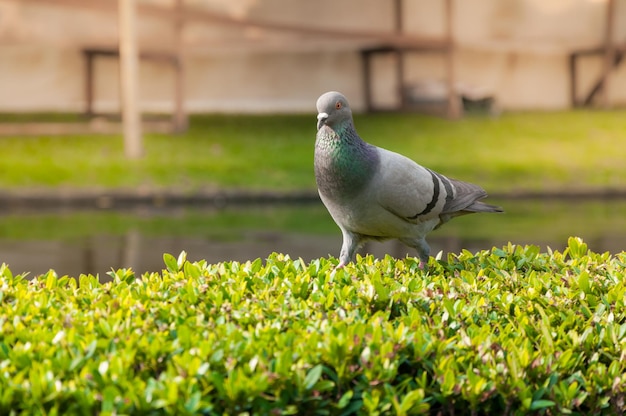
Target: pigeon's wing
[[415, 193], [409, 190]]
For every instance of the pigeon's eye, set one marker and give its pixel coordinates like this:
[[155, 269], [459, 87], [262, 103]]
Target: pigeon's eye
[[338, 105]]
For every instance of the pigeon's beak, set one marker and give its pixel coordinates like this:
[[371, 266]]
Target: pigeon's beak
[[321, 119]]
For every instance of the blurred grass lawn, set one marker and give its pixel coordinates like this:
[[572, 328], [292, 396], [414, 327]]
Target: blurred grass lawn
[[530, 151]]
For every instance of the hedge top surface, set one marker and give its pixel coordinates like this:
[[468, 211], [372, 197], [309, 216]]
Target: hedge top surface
[[506, 331]]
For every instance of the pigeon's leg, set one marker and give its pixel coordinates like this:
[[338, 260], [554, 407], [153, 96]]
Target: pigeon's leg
[[351, 243], [422, 247]]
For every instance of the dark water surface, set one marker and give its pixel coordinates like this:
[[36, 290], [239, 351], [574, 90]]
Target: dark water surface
[[76, 242]]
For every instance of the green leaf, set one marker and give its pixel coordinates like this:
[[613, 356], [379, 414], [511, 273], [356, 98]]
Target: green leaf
[[324, 385], [353, 408], [411, 399], [541, 404], [583, 281], [109, 395], [51, 280], [192, 270], [193, 403], [577, 248], [170, 262], [345, 399], [4, 350], [6, 272], [312, 376]]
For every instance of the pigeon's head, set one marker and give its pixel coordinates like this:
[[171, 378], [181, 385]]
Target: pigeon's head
[[333, 110]]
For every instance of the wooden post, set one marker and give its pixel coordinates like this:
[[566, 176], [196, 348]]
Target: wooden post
[[454, 110], [573, 80], [89, 84], [129, 77], [399, 28], [180, 117], [609, 54], [367, 80]]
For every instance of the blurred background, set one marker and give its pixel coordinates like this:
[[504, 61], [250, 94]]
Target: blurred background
[[131, 128]]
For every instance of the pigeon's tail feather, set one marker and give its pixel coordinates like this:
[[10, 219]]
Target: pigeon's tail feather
[[479, 206], [476, 206]]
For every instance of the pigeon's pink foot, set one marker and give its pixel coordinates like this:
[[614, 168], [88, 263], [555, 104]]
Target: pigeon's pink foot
[[423, 265]]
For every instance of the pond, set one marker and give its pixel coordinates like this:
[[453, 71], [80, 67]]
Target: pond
[[73, 242]]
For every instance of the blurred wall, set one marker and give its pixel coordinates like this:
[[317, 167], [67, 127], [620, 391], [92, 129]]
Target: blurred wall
[[515, 50]]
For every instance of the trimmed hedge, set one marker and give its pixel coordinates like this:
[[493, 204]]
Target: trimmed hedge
[[506, 331]]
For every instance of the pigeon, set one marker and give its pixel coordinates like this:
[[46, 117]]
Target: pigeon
[[376, 194]]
